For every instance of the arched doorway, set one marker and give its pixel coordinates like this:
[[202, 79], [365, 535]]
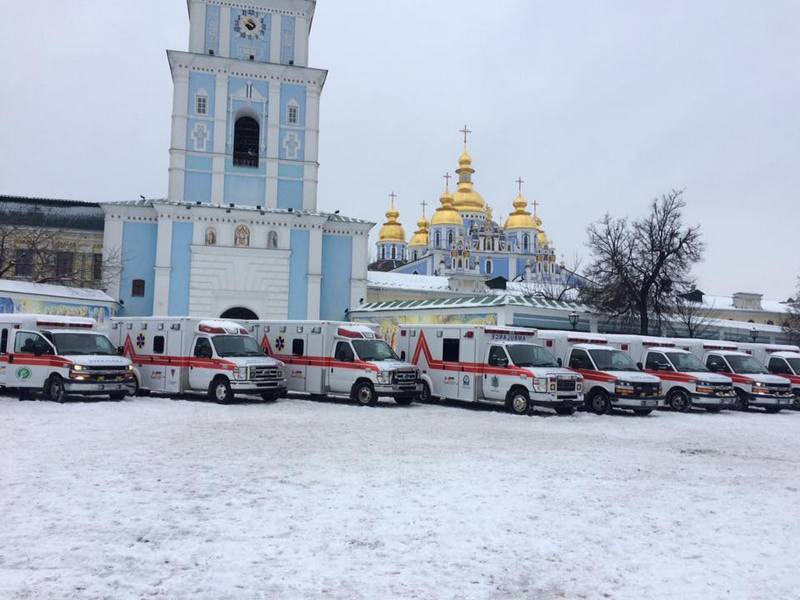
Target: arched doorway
[[239, 313]]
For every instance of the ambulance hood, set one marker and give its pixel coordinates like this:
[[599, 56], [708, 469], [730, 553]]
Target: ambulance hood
[[392, 365], [91, 360], [548, 371], [766, 378], [707, 377], [633, 376], [254, 361]]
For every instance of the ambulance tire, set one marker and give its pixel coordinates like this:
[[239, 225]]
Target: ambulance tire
[[796, 403], [405, 400], [364, 393], [599, 402], [565, 411], [518, 401], [425, 394], [269, 396], [54, 389], [220, 391], [773, 410], [118, 396], [643, 412], [741, 402], [679, 401]]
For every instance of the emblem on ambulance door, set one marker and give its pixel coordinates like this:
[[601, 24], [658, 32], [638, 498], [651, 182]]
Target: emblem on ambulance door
[[495, 381], [140, 341], [280, 344], [466, 380], [23, 373]]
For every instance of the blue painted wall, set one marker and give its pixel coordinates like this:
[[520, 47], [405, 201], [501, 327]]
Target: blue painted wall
[[337, 270], [287, 40], [290, 194], [197, 187], [245, 190], [212, 28], [138, 262], [181, 268], [298, 274]]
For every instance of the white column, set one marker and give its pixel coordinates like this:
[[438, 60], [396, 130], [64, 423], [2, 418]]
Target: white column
[[314, 272], [197, 27], [300, 42], [273, 140], [112, 255], [163, 266], [224, 31], [275, 40], [177, 153], [220, 138], [311, 176], [358, 279]]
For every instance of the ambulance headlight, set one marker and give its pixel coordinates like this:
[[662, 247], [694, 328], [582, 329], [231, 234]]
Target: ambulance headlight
[[240, 373], [77, 367], [579, 385], [385, 377], [130, 367], [540, 385], [759, 384], [281, 373]]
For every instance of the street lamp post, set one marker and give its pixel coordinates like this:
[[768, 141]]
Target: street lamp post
[[573, 320], [754, 334]]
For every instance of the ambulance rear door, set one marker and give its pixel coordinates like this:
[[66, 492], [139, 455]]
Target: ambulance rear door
[[296, 353], [471, 367]]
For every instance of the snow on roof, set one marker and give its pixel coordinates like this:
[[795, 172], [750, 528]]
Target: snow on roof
[[407, 281], [12, 286], [726, 303], [461, 302]]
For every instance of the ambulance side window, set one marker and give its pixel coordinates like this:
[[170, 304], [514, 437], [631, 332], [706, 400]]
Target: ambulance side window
[[657, 362], [717, 364], [158, 344], [31, 343], [202, 348], [3, 341], [450, 350], [497, 357], [344, 352], [776, 365], [298, 347], [580, 360]]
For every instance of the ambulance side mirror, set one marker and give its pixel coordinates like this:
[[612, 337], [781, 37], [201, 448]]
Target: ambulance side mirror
[[560, 362], [640, 366], [120, 350]]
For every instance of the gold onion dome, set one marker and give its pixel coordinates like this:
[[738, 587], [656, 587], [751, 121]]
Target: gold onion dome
[[541, 239], [420, 237], [446, 214], [521, 218], [392, 230], [466, 199]]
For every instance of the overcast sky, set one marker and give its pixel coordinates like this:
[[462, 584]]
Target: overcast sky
[[599, 105]]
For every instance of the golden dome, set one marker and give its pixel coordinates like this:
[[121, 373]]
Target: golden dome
[[446, 214], [466, 199], [520, 218], [420, 237], [541, 240], [392, 230]]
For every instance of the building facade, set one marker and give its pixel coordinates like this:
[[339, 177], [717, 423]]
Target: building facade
[[239, 234], [462, 240]]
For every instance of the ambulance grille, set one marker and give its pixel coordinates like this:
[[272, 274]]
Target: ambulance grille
[[567, 385], [264, 373], [405, 377]]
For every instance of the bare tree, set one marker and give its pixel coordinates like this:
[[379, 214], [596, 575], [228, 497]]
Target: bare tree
[[792, 325], [639, 267], [566, 289], [693, 318]]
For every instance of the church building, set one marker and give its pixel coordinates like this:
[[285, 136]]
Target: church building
[[462, 241], [239, 234]]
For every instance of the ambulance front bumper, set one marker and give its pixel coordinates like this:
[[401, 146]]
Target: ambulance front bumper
[[713, 400], [92, 388], [634, 402], [784, 400], [259, 387], [398, 390], [573, 400]]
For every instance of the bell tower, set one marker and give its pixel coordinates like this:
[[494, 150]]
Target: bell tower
[[245, 116]]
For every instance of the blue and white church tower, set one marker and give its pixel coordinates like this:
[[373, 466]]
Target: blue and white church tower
[[239, 234]]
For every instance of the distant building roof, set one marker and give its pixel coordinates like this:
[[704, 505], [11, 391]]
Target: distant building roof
[[460, 302], [10, 286], [50, 212]]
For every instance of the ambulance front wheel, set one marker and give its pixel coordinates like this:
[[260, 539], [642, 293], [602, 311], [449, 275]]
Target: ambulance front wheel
[[54, 389], [220, 391], [364, 394], [599, 402], [425, 394], [518, 401], [679, 401]]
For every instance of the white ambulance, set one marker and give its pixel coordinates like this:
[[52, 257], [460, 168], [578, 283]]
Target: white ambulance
[[61, 356], [781, 360], [611, 378], [186, 355], [754, 385], [685, 381], [329, 358], [490, 364]]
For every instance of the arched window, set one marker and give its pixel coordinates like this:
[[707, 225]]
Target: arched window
[[525, 242], [272, 240], [241, 238], [438, 238], [449, 239], [383, 252], [211, 237], [489, 266], [394, 252], [415, 255], [246, 134], [137, 288]]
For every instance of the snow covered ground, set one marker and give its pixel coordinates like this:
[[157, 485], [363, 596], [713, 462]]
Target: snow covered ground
[[153, 498]]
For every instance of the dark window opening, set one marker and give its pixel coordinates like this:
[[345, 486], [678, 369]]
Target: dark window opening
[[298, 347], [245, 142], [137, 288], [97, 267], [202, 348], [23, 265], [158, 344], [64, 264], [450, 350], [3, 341]]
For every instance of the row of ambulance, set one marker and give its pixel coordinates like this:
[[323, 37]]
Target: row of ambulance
[[517, 368]]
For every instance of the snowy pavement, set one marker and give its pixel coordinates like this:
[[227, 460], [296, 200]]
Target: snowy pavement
[[153, 498]]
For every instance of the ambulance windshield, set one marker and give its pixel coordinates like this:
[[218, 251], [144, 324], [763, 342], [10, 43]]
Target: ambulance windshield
[[686, 363], [529, 355], [376, 350], [795, 364], [82, 344], [232, 346], [612, 360], [745, 364]]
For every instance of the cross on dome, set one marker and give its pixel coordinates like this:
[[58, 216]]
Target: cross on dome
[[466, 131], [520, 182]]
